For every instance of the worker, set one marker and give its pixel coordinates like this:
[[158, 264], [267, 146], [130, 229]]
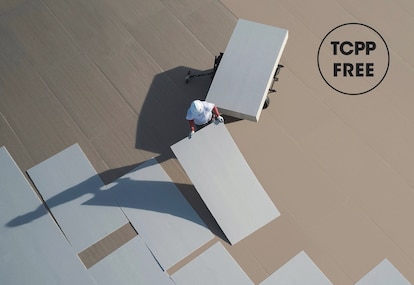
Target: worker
[[202, 113]]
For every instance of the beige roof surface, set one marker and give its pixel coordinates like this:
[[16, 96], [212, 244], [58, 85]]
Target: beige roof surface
[[109, 75]]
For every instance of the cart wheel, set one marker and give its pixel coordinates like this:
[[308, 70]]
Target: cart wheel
[[266, 103]]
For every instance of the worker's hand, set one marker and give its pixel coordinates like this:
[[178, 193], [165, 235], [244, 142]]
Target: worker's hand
[[191, 134], [220, 119]]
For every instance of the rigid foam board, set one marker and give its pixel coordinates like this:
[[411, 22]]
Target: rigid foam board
[[160, 213], [67, 181], [382, 274], [299, 270], [214, 266], [245, 73], [132, 263], [225, 182], [32, 249]]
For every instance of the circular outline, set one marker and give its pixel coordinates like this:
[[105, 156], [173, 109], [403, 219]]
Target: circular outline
[[386, 71]]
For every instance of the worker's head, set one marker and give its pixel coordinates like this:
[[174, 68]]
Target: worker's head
[[196, 107]]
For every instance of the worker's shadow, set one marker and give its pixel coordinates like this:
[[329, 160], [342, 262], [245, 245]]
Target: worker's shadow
[[161, 123], [125, 192]]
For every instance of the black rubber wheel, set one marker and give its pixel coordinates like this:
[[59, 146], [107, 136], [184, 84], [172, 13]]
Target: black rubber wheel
[[266, 103]]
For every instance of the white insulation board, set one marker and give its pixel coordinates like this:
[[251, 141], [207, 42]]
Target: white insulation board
[[298, 271], [225, 182], [245, 73], [131, 264], [32, 248], [214, 266], [384, 274], [72, 190], [160, 213]]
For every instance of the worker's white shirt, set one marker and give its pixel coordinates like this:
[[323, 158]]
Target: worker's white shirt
[[203, 117]]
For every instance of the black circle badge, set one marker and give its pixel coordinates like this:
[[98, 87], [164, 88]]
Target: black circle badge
[[353, 58]]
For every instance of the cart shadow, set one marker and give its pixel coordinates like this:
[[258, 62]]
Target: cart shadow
[[162, 122]]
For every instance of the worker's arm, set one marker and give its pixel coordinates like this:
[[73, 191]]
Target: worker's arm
[[217, 114], [192, 125], [216, 111]]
